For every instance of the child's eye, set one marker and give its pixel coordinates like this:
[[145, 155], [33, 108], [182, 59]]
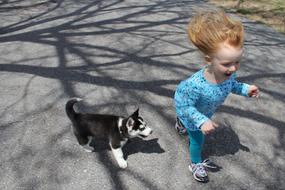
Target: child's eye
[[227, 65]]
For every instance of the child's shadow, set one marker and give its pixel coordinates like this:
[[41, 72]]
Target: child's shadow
[[223, 141], [134, 145]]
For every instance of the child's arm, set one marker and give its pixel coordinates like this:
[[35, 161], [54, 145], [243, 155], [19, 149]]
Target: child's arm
[[186, 98], [196, 117], [244, 89], [201, 121], [240, 88]]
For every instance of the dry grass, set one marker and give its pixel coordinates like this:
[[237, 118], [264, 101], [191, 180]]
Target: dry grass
[[270, 12]]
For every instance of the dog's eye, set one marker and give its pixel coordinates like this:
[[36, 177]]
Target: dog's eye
[[142, 127]]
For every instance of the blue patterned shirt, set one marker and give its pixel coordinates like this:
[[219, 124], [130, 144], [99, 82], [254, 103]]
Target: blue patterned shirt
[[196, 99]]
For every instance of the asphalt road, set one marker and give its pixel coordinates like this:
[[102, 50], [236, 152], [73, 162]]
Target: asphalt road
[[118, 55]]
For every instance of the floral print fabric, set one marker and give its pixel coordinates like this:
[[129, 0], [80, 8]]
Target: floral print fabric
[[196, 99]]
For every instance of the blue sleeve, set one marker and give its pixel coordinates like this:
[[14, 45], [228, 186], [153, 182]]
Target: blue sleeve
[[186, 99], [239, 87]]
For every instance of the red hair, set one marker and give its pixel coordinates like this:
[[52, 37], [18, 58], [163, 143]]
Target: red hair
[[208, 30]]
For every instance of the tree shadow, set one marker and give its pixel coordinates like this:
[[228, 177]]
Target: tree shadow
[[78, 33], [13, 5]]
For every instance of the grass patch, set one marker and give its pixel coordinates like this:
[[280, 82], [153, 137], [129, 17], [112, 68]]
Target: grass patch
[[270, 12], [245, 11]]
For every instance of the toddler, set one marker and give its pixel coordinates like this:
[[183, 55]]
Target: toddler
[[220, 39]]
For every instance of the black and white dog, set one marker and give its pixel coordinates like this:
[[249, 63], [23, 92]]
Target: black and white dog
[[116, 128]]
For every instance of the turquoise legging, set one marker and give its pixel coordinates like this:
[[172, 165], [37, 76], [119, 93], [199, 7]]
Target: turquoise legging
[[196, 139]]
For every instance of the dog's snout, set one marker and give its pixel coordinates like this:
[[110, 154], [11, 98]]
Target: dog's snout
[[146, 132]]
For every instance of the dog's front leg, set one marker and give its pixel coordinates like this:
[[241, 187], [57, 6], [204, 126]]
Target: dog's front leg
[[119, 156], [123, 142]]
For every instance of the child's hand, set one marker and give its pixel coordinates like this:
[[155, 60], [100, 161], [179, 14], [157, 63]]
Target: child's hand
[[208, 127], [253, 91]]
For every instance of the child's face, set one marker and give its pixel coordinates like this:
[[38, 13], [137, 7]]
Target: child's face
[[225, 61]]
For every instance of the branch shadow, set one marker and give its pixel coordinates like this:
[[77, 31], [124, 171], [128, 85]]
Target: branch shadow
[[85, 21]]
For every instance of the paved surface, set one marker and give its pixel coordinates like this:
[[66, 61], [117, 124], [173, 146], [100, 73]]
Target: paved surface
[[118, 55]]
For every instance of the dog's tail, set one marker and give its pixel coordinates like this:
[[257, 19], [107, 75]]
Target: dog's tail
[[69, 107]]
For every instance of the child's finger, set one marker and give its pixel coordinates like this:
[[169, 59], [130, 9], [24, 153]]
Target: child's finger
[[215, 125], [256, 94], [204, 132], [253, 93]]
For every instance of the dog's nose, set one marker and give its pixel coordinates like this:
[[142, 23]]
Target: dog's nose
[[151, 132]]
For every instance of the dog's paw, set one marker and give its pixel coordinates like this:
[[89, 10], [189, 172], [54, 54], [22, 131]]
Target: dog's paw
[[123, 164], [88, 148]]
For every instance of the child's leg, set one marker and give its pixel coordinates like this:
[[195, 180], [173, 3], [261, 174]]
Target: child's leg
[[196, 139]]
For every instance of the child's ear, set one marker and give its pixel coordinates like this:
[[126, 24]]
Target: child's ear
[[208, 59]]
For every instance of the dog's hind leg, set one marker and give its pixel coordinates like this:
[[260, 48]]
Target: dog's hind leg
[[119, 156], [84, 142], [87, 146]]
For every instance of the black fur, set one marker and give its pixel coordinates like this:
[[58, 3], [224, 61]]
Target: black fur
[[101, 125]]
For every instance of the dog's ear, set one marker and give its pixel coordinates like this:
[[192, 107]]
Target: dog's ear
[[130, 122], [136, 113]]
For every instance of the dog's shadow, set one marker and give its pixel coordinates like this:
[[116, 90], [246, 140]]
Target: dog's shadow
[[134, 145], [223, 141]]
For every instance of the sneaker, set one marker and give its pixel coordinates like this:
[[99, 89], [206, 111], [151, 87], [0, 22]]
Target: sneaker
[[180, 127], [210, 165], [199, 172]]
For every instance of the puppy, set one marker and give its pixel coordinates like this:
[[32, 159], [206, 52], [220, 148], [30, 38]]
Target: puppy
[[117, 129]]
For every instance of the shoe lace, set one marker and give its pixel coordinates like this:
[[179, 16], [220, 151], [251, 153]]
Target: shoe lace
[[209, 164], [206, 162], [199, 168]]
